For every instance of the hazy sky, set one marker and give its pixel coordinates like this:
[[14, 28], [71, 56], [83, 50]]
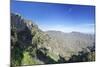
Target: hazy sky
[[60, 17]]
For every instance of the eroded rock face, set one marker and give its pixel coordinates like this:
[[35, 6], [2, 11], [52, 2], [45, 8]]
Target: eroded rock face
[[26, 37], [20, 23], [28, 41]]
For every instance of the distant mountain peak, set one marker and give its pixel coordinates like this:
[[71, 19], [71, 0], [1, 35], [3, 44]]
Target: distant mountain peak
[[75, 32]]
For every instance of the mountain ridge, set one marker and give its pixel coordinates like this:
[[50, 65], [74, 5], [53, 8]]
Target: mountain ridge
[[30, 43]]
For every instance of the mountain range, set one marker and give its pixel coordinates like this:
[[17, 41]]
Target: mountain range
[[30, 45]]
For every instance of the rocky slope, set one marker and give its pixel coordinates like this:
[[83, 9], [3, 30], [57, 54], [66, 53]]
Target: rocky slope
[[30, 45]]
